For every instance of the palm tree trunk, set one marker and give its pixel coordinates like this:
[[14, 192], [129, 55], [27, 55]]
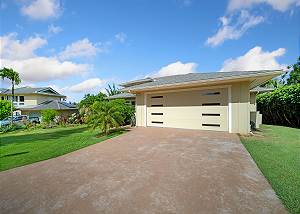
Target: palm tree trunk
[[12, 102]]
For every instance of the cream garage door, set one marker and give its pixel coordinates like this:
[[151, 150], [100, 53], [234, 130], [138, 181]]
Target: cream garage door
[[193, 109]]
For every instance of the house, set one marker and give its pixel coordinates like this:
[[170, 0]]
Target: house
[[218, 101], [31, 101]]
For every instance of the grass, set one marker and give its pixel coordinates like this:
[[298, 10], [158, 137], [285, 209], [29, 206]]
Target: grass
[[276, 151], [26, 147]]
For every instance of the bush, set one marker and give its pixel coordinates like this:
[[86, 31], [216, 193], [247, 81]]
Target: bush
[[49, 115], [4, 109], [75, 119], [281, 107], [12, 127], [126, 110]]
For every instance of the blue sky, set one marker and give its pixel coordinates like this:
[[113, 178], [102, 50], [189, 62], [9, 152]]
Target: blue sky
[[79, 47]]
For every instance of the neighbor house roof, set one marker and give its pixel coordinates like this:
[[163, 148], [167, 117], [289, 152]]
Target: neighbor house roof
[[2, 90], [121, 96], [51, 104], [201, 78], [29, 90], [259, 89]]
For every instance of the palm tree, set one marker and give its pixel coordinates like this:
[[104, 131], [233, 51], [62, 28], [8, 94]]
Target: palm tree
[[14, 77], [105, 115], [112, 90]]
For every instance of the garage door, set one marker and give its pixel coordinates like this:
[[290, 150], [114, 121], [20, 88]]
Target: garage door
[[194, 109]]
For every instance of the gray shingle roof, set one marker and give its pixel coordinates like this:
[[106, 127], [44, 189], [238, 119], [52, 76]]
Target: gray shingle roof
[[51, 104], [30, 90], [121, 96], [261, 89], [198, 77]]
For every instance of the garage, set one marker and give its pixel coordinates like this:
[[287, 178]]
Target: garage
[[205, 109]]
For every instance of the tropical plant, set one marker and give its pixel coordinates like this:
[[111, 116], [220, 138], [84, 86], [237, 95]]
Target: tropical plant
[[106, 116], [5, 109], [273, 83], [293, 75], [13, 76], [48, 115], [112, 90]]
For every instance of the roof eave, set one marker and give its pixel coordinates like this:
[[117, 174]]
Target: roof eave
[[254, 79]]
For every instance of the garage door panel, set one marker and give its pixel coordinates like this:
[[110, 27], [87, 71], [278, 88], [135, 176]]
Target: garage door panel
[[188, 109]]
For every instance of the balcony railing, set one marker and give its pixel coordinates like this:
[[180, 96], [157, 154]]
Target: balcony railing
[[18, 104]]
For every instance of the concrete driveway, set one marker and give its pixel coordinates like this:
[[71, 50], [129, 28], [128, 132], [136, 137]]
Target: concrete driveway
[[147, 170]]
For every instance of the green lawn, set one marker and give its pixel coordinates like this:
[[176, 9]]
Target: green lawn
[[25, 147], [277, 154]]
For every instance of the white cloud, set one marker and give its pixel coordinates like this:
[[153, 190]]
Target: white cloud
[[121, 37], [280, 5], [86, 86], [255, 59], [233, 31], [42, 9], [38, 69], [20, 55], [80, 48], [54, 29], [176, 68], [11, 48]]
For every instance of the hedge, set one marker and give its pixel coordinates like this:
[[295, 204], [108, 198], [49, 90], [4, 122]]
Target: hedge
[[281, 107]]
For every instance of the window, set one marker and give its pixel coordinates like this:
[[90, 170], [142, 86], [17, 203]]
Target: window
[[157, 97], [207, 124], [2, 98], [212, 93], [21, 98], [211, 104], [157, 113], [16, 99], [158, 122], [158, 105], [206, 114]]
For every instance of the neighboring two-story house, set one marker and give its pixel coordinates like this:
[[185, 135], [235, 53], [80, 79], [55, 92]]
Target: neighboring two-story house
[[31, 101]]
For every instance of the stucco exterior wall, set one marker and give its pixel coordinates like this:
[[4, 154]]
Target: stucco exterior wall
[[140, 110], [35, 99], [64, 113], [240, 108]]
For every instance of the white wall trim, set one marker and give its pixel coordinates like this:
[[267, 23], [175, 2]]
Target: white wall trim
[[229, 110], [145, 109]]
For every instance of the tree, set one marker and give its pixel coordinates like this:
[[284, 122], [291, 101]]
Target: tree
[[105, 115], [14, 77], [90, 99], [293, 76], [112, 90], [273, 83], [5, 108], [48, 115]]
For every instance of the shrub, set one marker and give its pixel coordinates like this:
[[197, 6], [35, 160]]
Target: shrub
[[4, 109], [126, 110], [281, 107], [12, 127], [74, 119], [106, 116], [49, 115]]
